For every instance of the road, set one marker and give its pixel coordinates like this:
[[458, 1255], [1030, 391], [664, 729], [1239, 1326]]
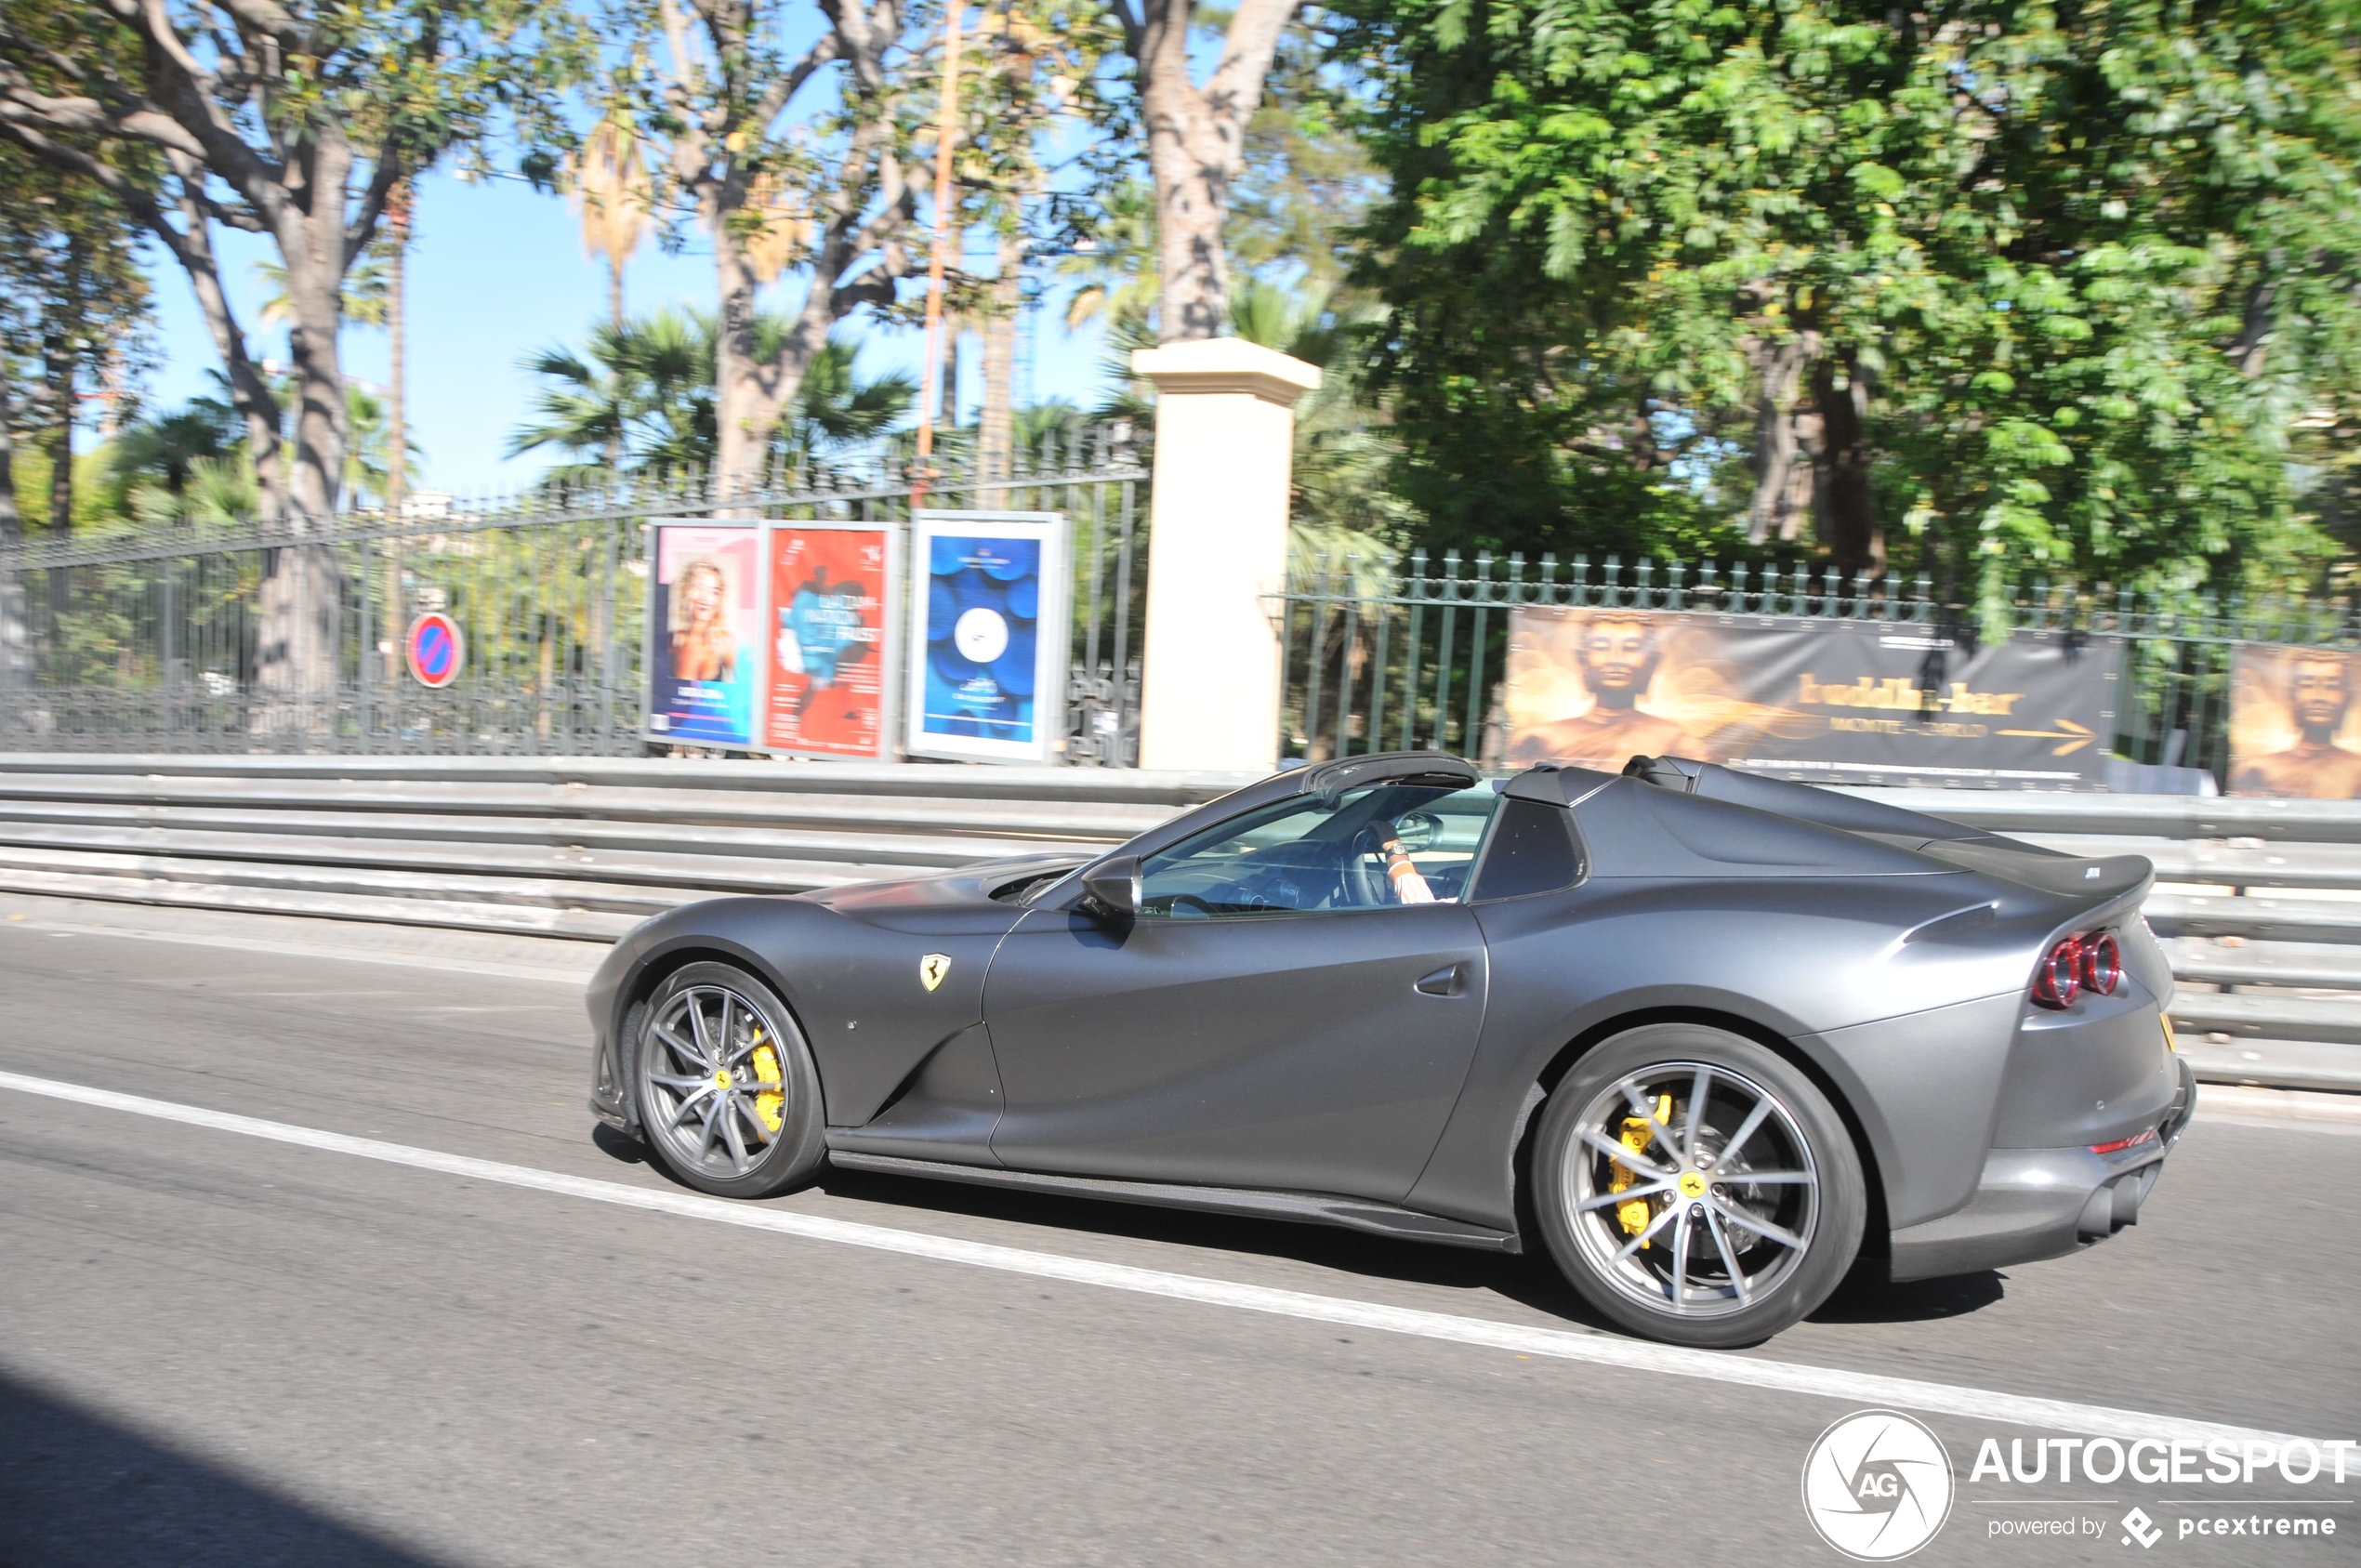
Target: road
[[223, 1348]]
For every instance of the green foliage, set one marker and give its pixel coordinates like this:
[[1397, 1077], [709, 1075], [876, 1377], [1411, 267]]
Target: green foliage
[[2089, 264], [1308, 180], [647, 388], [74, 312], [162, 448], [296, 120], [1342, 515]]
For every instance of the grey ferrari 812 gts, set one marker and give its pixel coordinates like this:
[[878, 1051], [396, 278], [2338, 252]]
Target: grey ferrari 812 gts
[[1710, 1039]]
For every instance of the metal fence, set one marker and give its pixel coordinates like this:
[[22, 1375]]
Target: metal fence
[[1395, 653], [151, 640]]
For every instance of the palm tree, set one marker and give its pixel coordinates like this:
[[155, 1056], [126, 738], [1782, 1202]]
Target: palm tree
[[616, 197], [645, 390], [368, 466], [217, 489], [162, 447]]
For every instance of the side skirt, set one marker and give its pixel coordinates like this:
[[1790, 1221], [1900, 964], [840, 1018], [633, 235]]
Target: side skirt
[[1310, 1208]]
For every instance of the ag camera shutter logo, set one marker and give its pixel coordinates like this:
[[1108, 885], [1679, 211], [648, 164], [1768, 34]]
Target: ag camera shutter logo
[[1876, 1485]]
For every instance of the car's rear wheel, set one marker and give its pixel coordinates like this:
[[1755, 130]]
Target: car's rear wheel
[[1696, 1187], [728, 1097]]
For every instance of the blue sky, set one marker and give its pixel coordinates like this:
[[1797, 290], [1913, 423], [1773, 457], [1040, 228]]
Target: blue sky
[[497, 271]]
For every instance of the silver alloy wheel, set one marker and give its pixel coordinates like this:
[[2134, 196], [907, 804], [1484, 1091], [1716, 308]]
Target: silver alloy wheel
[[1730, 1188], [717, 1083]]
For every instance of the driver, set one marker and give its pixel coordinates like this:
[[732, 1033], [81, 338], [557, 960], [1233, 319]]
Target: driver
[[1409, 887]]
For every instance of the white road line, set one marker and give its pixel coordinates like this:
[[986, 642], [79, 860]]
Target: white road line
[[1597, 1349], [310, 950]]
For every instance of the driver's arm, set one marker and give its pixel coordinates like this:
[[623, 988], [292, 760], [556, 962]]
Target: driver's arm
[[1408, 886]]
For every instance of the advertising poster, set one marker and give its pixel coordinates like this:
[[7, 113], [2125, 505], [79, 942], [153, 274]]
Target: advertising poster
[[703, 627], [2293, 730], [991, 614], [830, 598], [1824, 702]]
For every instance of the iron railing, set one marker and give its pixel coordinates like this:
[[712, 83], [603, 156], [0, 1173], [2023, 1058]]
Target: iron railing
[[1400, 653], [149, 640]]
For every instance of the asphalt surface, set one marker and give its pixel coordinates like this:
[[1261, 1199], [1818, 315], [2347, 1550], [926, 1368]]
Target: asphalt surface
[[217, 1348]]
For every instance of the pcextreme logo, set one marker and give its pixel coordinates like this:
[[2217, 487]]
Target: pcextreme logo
[[1876, 1485]]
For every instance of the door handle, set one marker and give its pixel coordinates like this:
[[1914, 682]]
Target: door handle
[[1445, 981]]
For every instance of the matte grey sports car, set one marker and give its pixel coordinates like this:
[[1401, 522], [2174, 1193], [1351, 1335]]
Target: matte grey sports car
[[1707, 1037]]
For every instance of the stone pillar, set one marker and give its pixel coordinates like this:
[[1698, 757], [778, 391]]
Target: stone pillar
[[1210, 679]]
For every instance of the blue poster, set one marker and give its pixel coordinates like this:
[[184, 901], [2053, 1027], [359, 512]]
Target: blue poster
[[981, 617]]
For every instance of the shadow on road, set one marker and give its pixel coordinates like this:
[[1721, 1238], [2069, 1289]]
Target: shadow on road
[[1866, 1297], [619, 1146], [75, 1488], [1530, 1280]]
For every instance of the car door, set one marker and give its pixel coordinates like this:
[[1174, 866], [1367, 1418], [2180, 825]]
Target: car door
[[1275, 1016]]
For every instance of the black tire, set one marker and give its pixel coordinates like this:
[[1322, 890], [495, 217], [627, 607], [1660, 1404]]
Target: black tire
[[712, 1128], [1737, 1285]]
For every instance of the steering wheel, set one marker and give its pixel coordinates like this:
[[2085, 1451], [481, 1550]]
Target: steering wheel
[[1365, 868]]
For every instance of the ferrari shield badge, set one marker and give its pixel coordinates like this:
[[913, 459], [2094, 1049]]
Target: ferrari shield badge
[[932, 968]]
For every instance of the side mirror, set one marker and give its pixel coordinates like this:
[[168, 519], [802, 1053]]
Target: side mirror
[[1114, 886]]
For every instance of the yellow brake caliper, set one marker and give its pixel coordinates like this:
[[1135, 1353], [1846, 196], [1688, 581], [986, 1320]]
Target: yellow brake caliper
[[774, 1098], [1634, 1216]]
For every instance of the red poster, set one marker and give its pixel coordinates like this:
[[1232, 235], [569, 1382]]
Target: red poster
[[825, 664]]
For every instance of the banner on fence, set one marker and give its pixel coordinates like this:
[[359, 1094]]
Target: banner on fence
[[703, 622], [830, 618], [1825, 702], [990, 607], [2294, 731]]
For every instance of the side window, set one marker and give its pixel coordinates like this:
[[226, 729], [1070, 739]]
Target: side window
[[1532, 851], [1381, 847]]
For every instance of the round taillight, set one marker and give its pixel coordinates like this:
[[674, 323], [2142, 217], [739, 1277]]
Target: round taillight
[[2102, 964], [2057, 979]]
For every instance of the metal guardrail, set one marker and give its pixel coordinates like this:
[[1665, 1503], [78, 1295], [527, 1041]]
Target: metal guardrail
[[2259, 902], [581, 847]]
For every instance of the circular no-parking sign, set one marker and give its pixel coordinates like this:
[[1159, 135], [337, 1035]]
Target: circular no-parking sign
[[434, 650]]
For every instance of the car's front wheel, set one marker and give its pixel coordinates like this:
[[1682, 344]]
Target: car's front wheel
[[1696, 1187], [729, 1097]]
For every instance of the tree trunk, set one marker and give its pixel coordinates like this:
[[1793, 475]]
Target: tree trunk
[[250, 391], [1846, 512], [13, 640], [1782, 473], [59, 357], [750, 393], [1197, 144], [950, 417], [996, 421], [61, 445], [743, 414], [614, 319], [301, 598], [12, 525], [1191, 163], [397, 428]]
